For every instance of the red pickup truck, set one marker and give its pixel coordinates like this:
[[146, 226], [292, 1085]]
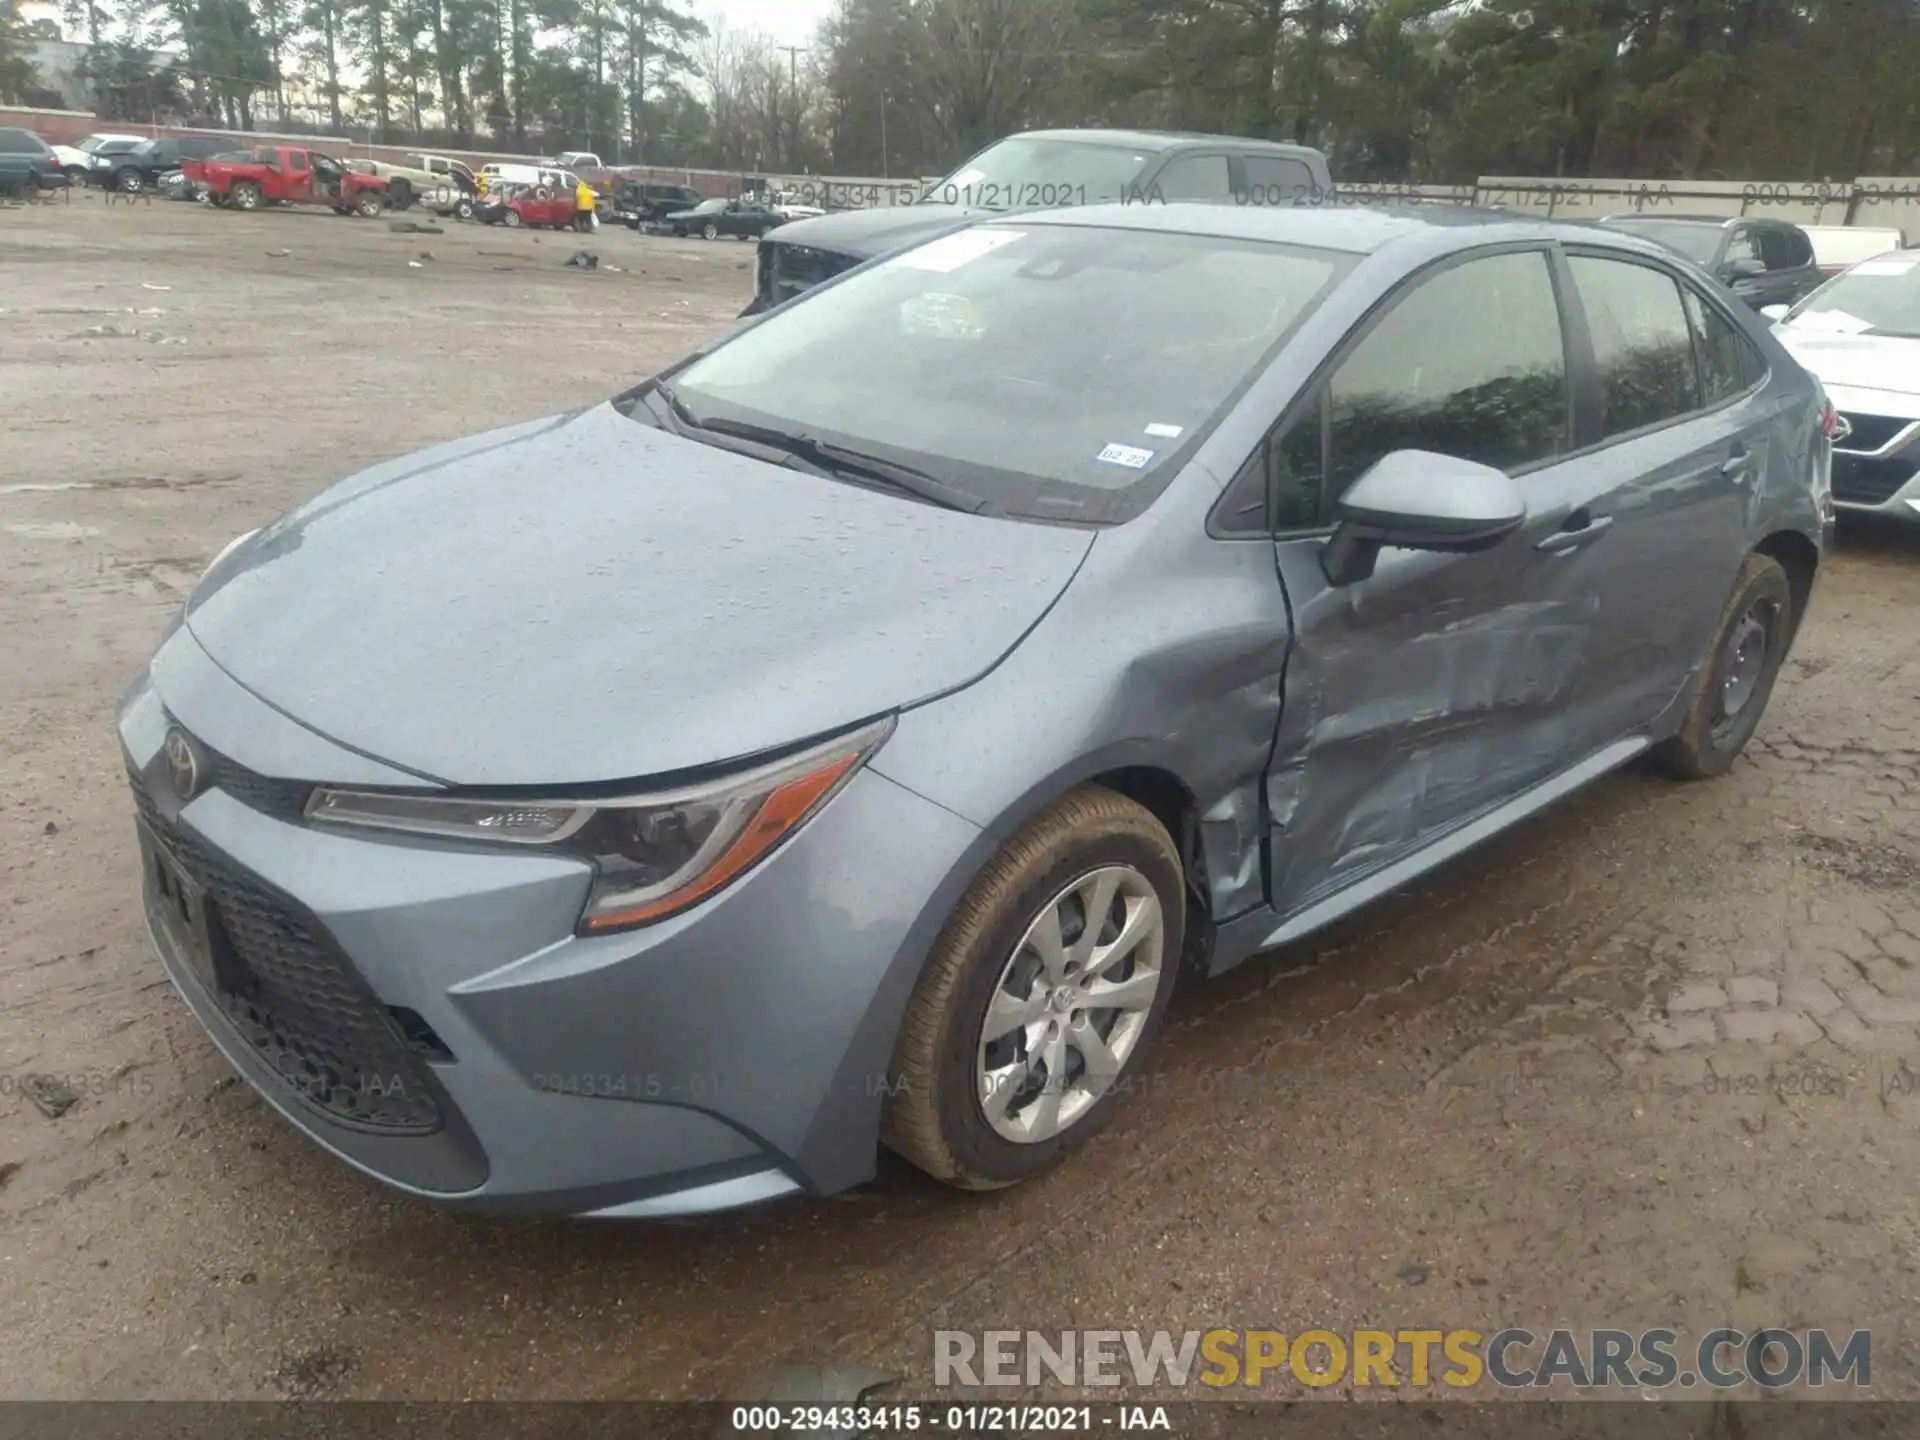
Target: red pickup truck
[[289, 175]]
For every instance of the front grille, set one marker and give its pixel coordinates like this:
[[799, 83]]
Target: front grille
[[1872, 432], [295, 1001], [1858, 481], [800, 267], [282, 799]]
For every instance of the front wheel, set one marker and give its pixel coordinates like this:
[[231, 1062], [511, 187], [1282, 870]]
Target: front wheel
[[511, 220], [129, 181], [1736, 679], [710, 231], [1040, 995], [463, 209], [367, 207]]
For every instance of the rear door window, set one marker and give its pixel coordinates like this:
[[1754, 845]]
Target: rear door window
[[1276, 179], [1642, 343], [1193, 177]]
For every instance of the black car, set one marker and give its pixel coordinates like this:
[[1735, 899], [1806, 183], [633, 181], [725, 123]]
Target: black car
[[1764, 262], [27, 160], [1041, 169], [140, 167], [641, 204], [743, 219]]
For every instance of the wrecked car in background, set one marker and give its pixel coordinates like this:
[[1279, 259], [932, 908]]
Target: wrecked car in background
[[942, 666], [286, 175]]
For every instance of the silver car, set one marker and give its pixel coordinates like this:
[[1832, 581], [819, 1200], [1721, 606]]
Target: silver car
[[848, 736], [1860, 334]]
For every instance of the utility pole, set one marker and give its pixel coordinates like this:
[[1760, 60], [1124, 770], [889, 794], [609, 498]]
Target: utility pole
[[793, 93]]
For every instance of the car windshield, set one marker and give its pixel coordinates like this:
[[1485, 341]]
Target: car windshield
[[1876, 297], [1027, 171], [1699, 243], [1056, 372]]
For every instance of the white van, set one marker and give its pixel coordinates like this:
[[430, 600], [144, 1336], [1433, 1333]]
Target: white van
[[494, 173], [1835, 247]]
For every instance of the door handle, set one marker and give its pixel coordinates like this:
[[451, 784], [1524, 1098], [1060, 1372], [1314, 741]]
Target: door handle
[[1737, 466], [1580, 529]]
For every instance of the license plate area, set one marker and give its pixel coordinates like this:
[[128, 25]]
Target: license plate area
[[178, 906]]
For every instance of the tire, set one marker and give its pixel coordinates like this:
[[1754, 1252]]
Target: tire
[[1749, 646], [399, 194], [245, 195], [368, 206], [512, 220], [129, 181], [710, 231], [463, 209], [75, 175], [940, 1089]]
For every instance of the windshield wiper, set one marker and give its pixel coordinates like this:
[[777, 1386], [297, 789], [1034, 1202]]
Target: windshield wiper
[[827, 458]]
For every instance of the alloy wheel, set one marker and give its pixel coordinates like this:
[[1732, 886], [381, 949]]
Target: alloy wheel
[[1071, 1004]]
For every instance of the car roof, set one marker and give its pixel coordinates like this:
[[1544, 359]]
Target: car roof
[[1359, 230], [1158, 139]]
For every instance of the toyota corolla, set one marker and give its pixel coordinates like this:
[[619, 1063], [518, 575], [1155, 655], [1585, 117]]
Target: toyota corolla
[[848, 736]]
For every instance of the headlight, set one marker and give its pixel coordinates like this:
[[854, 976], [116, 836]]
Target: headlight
[[655, 854]]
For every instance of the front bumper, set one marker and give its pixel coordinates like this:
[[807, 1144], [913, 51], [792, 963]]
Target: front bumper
[[427, 1013], [1879, 475]]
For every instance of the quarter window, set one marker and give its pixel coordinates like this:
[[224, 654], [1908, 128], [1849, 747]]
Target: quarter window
[[1642, 345], [1728, 363], [1469, 364]]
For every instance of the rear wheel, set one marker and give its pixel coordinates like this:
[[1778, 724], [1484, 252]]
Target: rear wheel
[[1736, 679], [463, 209], [245, 195], [1040, 995]]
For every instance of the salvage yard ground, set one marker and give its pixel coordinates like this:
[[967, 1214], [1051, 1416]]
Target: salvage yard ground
[[1643, 1062]]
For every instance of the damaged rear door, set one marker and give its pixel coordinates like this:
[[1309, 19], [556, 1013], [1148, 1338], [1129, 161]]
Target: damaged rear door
[[1445, 684]]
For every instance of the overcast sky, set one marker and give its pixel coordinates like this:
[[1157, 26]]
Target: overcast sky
[[789, 22]]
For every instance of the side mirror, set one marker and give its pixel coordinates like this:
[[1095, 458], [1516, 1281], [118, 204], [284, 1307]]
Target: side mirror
[[1743, 269], [1419, 500], [1775, 313]]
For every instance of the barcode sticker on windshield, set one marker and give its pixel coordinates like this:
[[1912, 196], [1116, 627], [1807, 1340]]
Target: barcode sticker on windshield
[[1164, 432], [952, 251], [1130, 456]]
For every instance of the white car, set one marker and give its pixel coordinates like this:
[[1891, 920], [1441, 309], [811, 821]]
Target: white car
[[78, 160], [1860, 336], [1835, 247]]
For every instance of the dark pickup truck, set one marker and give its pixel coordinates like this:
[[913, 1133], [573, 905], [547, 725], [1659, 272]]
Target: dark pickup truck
[[1038, 169]]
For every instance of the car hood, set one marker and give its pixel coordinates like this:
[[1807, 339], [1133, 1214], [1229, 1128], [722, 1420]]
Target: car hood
[[866, 233], [585, 598], [1880, 373]]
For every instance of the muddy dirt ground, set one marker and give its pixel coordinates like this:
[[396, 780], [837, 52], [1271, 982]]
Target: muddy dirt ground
[[1640, 1063]]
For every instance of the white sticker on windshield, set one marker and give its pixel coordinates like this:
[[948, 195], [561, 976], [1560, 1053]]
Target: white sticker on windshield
[[1884, 267], [1130, 456], [1164, 432], [1836, 321], [968, 176], [950, 252]]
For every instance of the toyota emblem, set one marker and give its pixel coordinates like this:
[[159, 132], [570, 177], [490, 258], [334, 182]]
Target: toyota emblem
[[183, 764]]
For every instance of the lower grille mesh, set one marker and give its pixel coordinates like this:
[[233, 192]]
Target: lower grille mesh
[[295, 1002]]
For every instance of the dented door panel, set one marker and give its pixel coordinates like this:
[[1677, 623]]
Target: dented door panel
[[1419, 698]]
